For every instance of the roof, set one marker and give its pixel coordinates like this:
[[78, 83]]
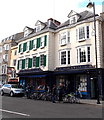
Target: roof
[[83, 15]]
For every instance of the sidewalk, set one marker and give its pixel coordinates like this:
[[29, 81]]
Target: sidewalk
[[91, 102]]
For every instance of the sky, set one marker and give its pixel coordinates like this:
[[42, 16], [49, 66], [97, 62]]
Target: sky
[[16, 14]]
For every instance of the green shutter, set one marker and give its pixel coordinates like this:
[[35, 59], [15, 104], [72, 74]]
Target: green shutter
[[38, 42], [18, 65], [37, 61], [44, 60], [31, 45], [30, 63], [19, 48], [23, 64], [45, 40], [24, 47]]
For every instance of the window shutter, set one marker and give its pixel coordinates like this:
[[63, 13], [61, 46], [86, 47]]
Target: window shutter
[[30, 47], [24, 47], [32, 42], [45, 40], [30, 63], [38, 42], [23, 64], [19, 48], [18, 65], [87, 30], [44, 60], [37, 61]]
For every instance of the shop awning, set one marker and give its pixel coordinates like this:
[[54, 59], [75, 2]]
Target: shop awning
[[35, 76]]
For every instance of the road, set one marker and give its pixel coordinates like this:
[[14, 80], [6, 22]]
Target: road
[[18, 107]]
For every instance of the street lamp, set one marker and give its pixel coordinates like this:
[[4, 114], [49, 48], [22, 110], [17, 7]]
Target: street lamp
[[92, 5]]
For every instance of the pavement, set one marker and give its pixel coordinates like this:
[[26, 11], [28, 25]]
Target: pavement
[[91, 102]]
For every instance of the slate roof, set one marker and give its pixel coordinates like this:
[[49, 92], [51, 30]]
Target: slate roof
[[83, 15]]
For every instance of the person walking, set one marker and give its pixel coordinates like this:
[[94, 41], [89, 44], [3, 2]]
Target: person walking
[[53, 93], [61, 91]]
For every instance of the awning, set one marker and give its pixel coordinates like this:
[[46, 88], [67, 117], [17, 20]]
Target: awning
[[35, 76]]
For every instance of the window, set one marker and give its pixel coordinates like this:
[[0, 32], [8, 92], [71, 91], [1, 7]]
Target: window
[[5, 57], [14, 62], [42, 42], [83, 54], [65, 57], [4, 69], [72, 20], [38, 28], [6, 47], [34, 61], [20, 64], [82, 33], [34, 44], [27, 46], [65, 38], [15, 52], [41, 60], [20, 48], [13, 74], [26, 63]]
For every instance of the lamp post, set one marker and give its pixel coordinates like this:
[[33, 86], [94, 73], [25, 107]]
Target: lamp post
[[92, 5]]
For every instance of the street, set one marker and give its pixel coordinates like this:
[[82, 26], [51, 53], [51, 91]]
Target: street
[[18, 107]]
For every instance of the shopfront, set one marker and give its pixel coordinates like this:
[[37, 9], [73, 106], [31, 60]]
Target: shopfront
[[35, 78], [83, 79]]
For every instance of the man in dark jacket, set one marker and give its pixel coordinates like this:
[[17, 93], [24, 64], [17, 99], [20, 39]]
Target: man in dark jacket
[[53, 93]]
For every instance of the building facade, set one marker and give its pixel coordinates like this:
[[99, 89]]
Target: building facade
[[53, 52], [5, 55]]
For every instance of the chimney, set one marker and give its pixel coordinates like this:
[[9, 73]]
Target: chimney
[[57, 23]]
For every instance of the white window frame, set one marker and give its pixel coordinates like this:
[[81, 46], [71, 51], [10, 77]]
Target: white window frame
[[6, 47], [27, 46], [41, 62], [64, 36], [42, 40], [38, 28], [60, 55], [33, 61], [5, 57], [34, 44], [26, 62], [86, 54], [85, 33], [20, 64], [21, 49], [4, 69]]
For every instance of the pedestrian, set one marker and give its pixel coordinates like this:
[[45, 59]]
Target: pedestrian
[[61, 91], [53, 93]]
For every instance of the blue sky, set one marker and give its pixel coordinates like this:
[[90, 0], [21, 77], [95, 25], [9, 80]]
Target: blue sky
[[16, 14], [85, 2]]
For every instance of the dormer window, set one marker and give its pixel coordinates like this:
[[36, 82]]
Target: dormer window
[[27, 31], [38, 28], [73, 17]]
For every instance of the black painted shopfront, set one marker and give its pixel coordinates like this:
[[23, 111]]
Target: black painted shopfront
[[35, 77], [83, 78]]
